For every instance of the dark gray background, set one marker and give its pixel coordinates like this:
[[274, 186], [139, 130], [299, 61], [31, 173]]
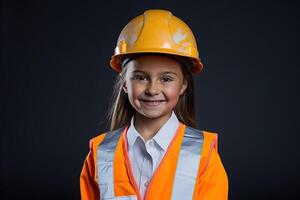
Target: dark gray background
[[56, 87]]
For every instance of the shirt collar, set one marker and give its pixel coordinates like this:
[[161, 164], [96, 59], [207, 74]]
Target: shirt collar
[[132, 133], [163, 137]]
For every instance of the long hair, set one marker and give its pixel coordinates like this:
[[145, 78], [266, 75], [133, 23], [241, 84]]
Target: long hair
[[122, 111]]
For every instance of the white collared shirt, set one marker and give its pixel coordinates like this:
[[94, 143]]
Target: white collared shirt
[[145, 156]]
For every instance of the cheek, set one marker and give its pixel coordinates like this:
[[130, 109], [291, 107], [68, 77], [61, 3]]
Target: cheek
[[134, 90], [172, 93]]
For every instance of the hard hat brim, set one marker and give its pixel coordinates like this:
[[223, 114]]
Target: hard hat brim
[[116, 61]]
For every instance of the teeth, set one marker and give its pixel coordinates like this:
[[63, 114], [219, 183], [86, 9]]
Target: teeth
[[154, 100]]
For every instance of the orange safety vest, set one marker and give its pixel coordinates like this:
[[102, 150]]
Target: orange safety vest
[[191, 169]]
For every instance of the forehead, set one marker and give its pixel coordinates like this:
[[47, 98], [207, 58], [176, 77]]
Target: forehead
[[154, 64]]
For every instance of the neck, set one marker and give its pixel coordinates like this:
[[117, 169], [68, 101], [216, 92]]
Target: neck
[[148, 127]]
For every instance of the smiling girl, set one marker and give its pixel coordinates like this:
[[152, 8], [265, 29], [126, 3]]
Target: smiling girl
[[153, 150]]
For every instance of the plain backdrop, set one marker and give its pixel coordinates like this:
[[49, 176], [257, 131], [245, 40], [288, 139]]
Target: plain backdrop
[[56, 88]]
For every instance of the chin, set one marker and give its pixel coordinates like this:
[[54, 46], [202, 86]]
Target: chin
[[152, 114]]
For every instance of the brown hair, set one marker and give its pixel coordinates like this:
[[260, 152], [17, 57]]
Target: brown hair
[[122, 111]]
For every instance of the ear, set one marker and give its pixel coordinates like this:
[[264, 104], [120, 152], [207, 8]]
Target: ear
[[124, 87], [183, 87]]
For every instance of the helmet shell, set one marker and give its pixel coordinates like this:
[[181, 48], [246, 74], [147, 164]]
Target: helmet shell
[[157, 31]]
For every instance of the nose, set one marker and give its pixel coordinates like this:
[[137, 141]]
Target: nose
[[152, 88]]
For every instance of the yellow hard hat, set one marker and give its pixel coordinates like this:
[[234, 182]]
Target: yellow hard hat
[[157, 31]]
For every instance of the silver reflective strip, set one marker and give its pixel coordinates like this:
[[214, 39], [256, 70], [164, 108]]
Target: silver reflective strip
[[125, 198], [187, 164], [105, 160]]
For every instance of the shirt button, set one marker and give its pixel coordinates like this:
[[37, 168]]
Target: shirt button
[[146, 183]]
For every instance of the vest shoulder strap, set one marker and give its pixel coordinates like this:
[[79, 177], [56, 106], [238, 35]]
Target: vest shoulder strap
[[105, 163], [188, 164]]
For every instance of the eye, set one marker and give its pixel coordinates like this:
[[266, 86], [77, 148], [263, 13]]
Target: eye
[[139, 77], [166, 79]]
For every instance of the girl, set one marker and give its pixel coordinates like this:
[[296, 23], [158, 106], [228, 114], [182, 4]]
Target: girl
[[153, 150]]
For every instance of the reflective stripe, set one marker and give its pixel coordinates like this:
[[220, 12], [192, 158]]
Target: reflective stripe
[[133, 197], [187, 164], [105, 160], [105, 165]]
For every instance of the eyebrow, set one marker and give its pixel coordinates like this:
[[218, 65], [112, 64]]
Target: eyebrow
[[143, 72]]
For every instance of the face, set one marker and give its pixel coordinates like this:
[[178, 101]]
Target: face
[[154, 85]]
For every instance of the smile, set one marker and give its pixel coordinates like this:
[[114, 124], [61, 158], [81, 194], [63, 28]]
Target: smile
[[152, 103]]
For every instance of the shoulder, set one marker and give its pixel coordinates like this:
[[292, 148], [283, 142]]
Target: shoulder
[[209, 155], [98, 139], [95, 141], [208, 136], [211, 138]]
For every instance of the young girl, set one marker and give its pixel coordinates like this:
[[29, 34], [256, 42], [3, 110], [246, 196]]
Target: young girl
[[153, 150]]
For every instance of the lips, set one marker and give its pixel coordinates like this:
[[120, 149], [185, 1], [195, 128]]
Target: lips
[[152, 103]]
